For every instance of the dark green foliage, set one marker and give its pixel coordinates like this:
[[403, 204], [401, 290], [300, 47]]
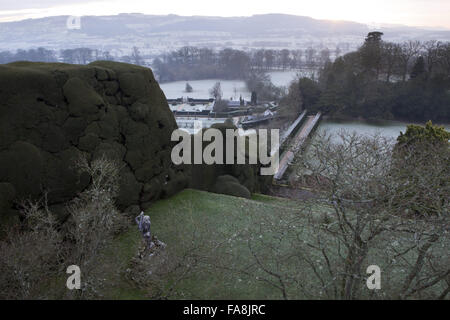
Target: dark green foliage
[[52, 113], [82, 99], [421, 165], [229, 185], [74, 128], [7, 196], [419, 68], [61, 179], [261, 87], [371, 53], [422, 99], [374, 36], [22, 165], [310, 92], [226, 179], [88, 142], [204, 177], [129, 188], [302, 94], [372, 83], [429, 133], [253, 99]]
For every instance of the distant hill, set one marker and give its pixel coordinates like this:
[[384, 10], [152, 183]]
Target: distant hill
[[155, 33]]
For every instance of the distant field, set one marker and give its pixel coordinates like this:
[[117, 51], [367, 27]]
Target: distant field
[[230, 88], [390, 129]]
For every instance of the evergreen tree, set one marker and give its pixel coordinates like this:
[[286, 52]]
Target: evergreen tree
[[419, 68], [371, 53], [429, 133], [374, 37], [241, 101], [188, 87], [254, 99]]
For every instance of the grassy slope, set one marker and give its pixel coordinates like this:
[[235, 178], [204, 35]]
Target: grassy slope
[[218, 226], [206, 217], [215, 217]]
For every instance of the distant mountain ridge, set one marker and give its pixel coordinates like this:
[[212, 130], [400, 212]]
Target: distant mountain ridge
[[156, 33]]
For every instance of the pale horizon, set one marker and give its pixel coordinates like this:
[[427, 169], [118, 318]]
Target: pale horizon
[[415, 13]]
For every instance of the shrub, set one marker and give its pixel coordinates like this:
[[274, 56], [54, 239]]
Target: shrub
[[93, 216], [29, 258], [188, 88], [33, 255], [229, 185]]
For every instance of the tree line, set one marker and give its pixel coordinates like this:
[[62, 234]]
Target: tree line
[[212, 62], [193, 63], [73, 56], [382, 80]]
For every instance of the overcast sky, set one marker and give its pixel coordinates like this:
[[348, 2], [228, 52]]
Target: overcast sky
[[432, 13]]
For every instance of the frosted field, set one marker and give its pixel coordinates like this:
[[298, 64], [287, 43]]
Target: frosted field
[[389, 129], [282, 78], [230, 88]]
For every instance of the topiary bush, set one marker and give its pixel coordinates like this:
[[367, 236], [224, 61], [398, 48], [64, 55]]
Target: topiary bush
[[50, 113], [229, 185], [204, 176]]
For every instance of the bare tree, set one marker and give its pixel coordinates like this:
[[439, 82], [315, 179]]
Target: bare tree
[[310, 56], [296, 61], [377, 196], [285, 58], [431, 54], [324, 56], [136, 57], [269, 58], [370, 208], [408, 51], [216, 91], [188, 88], [29, 254], [77, 56], [444, 57], [93, 215], [34, 254], [390, 55]]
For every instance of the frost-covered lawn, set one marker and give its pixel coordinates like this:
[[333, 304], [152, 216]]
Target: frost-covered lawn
[[226, 233], [230, 88], [390, 129], [282, 78]]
